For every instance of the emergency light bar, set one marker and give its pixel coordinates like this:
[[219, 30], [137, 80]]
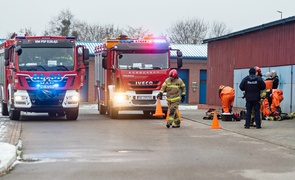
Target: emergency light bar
[[144, 41]]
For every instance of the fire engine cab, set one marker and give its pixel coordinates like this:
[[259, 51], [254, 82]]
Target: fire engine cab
[[41, 74], [129, 73]]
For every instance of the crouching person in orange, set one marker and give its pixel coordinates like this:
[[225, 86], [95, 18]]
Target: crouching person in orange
[[265, 105], [227, 97], [173, 85], [276, 97]]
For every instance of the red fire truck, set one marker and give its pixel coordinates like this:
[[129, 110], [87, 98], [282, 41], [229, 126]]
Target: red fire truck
[[130, 72], [41, 74]]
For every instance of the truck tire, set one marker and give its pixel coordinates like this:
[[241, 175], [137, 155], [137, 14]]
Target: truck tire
[[114, 113], [102, 109], [72, 114], [4, 109], [14, 115]]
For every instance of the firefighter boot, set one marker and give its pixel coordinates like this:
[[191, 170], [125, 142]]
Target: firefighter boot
[[169, 123], [176, 124]]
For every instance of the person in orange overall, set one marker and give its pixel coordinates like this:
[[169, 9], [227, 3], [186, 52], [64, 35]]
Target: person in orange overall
[[268, 81], [277, 97], [227, 97]]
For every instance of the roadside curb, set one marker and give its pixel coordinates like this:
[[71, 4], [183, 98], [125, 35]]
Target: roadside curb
[[7, 156]]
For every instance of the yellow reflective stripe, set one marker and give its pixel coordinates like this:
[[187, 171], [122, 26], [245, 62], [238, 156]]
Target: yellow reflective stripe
[[172, 86], [183, 93], [182, 85], [170, 119], [173, 99]]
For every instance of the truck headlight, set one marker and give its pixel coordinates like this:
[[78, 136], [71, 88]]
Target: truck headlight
[[120, 97], [19, 98], [73, 98]]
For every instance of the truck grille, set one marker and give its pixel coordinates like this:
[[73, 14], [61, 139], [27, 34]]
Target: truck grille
[[144, 84], [47, 97], [141, 102]]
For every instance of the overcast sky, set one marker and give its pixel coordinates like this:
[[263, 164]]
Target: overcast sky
[[155, 15]]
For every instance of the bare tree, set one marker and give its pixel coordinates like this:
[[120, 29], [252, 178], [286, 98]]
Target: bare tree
[[96, 32], [86, 32], [136, 32], [62, 24], [218, 29], [190, 31]]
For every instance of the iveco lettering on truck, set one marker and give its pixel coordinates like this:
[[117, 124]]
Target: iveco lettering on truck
[[41, 74], [129, 73]]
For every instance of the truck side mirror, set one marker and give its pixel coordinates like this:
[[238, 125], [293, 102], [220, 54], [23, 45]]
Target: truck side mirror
[[85, 54], [85, 57], [179, 62], [179, 53], [6, 54], [6, 63], [18, 49], [104, 54], [104, 63]]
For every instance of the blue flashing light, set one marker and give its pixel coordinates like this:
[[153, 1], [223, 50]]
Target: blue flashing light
[[38, 85], [56, 85], [126, 41], [35, 77], [20, 37], [70, 37], [58, 77]]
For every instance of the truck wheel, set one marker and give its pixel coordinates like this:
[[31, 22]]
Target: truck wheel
[[72, 114], [114, 113], [102, 109], [4, 109], [14, 115]]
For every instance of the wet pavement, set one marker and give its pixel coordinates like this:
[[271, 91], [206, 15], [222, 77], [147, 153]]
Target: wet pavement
[[280, 133]]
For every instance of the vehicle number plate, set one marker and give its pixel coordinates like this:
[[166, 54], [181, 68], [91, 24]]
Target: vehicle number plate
[[46, 86], [144, 97]]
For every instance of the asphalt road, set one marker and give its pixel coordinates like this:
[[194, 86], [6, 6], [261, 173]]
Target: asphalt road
[[139, 147]]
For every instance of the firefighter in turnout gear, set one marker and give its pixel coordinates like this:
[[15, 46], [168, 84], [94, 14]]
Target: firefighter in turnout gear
[[173, 86]]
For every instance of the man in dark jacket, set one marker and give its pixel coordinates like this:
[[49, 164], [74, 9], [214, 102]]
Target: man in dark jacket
[[252, 85], [275, 79]]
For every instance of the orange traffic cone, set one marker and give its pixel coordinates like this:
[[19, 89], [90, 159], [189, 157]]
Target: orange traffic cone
[[159, 111], [215, 124]]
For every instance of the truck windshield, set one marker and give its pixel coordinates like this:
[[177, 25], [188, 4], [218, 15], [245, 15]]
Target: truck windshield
[[143, 61], [46, 59]]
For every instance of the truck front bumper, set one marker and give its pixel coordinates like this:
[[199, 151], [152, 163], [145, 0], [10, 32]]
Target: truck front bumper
[[31, 101]]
